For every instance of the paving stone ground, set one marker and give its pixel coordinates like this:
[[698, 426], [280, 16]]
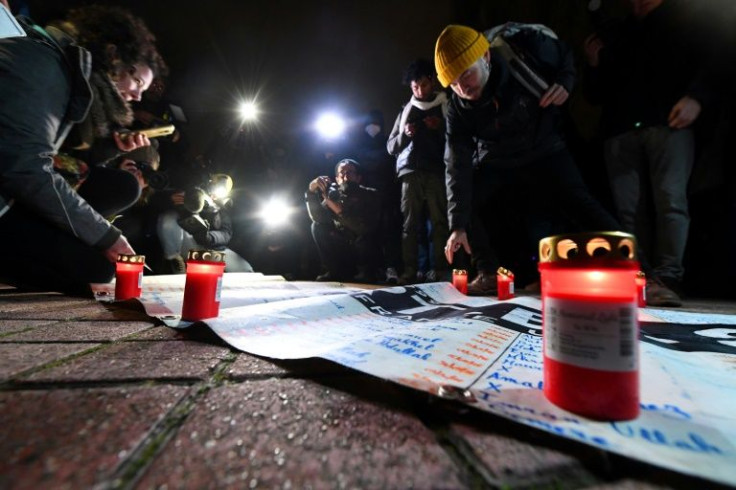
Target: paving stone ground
[[101, 396]]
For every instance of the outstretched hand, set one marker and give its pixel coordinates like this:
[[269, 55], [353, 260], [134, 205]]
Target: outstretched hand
[[121, 246], [684, 113], [458, 238]]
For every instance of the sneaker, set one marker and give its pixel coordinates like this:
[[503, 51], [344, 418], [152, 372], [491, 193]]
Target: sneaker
[[175, 265], [409, 277], [392, 277], [484, 284], [438, 276], [660, 295], [326, 277]]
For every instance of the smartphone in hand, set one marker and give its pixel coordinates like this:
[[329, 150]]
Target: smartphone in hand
[[151, 132]]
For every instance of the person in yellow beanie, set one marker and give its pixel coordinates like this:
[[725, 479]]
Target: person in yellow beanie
[[503, 136]]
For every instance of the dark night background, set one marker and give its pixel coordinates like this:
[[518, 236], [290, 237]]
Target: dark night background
[[298, 58]]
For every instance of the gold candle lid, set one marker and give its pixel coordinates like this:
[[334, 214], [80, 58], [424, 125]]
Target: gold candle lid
[[131, 259], [600, 246], [641, 275], [206, 255], [459, 272], [504, 272]]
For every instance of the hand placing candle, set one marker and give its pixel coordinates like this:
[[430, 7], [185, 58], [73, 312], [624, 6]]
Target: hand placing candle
[[129, 276]]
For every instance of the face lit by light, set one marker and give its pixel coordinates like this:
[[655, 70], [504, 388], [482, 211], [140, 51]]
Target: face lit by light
[[469, 85], [422, 88], [347, 172], [131, 83]]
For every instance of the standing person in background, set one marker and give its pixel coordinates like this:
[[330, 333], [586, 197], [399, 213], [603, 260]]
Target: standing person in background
[[501, 136], [53, 238], [417, 140], [651, 78]]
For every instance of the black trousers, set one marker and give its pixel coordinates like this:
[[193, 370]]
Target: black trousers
[[344, 253], [36, 254], [545, 196]]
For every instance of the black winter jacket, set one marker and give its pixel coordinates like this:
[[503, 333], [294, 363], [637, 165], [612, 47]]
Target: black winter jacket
[[506, 127]]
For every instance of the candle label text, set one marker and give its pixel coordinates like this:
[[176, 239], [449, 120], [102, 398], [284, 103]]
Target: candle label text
[[599, 336]]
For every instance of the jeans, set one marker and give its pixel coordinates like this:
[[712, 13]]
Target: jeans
[[653, 165]]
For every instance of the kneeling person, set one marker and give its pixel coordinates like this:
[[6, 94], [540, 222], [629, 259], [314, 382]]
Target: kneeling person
[[345, 223]]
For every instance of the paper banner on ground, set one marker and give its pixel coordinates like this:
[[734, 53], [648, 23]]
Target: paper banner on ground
[[488, 354], [162, 295]]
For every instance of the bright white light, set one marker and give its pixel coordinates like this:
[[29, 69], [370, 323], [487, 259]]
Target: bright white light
[[330, 125], [275, 212], [248, 111], [220, 192]]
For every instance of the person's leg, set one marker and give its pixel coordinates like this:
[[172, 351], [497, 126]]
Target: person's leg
[[671, 156], [171, 237], [34, 253], [558, 178], [624, 155], [110, 190], [411, 209], [436, 198], [334, 251]]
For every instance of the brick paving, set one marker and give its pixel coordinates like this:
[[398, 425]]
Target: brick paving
[[101, 396]]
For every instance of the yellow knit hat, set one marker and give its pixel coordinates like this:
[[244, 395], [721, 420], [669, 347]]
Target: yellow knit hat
[[457, 48]]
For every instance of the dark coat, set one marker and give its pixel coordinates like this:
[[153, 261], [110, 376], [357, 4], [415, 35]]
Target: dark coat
[[505, 127]]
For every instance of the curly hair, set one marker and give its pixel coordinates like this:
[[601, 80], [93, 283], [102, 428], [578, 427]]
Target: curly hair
[[418, 69], [96, 27]]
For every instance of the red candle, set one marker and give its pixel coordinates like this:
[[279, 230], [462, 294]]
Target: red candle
[[460, 280], [128, 276], [641, 289], [590, 327], [505, 281], [203, 285]]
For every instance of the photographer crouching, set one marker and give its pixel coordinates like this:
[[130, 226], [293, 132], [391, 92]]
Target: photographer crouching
[[199, 219], [345, 222]]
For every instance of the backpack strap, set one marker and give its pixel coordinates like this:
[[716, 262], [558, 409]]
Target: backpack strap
[[519, 68]]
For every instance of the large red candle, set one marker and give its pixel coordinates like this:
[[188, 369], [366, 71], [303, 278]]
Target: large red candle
[[129, 276], [505, 283], [203, 285], [590, 326], [641, 289], [460, 280]]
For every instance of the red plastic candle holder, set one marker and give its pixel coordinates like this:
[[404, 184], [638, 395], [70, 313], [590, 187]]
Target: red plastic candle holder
[[590, 327], [203, 285], [505, 282], [641, 289], [129, 276], [460, 280]]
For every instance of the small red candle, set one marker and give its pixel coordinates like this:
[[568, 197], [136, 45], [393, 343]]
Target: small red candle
[[203, 285], [128, 276], [590, 327], [641, 289], [505, 281], [460, 280]]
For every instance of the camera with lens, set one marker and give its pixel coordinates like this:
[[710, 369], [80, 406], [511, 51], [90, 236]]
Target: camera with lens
[[333, 192], [199, 213], [155, 179]]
